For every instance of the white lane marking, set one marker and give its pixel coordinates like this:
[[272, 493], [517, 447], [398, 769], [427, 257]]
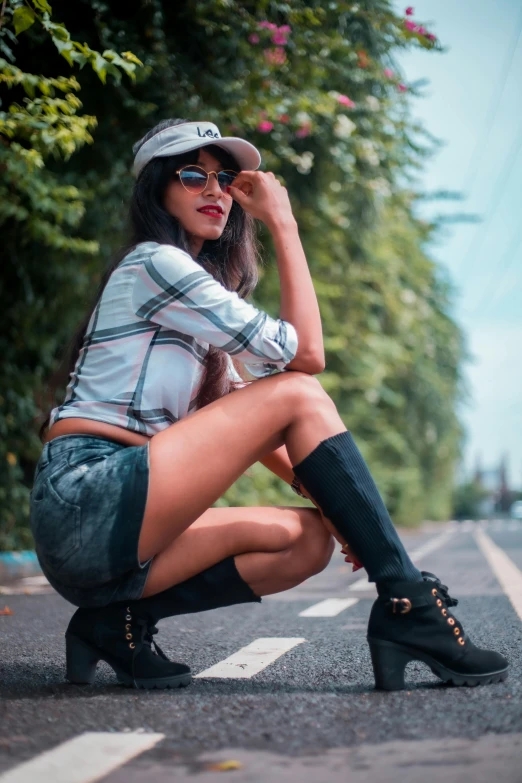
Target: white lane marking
[[362, 584], [251, 659], [508, 575], [431, 545], [83, 759], [330, 607], [28, 585], [26, 590], [34, 580], [417, 554]]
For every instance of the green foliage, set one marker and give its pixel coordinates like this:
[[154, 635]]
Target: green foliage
[[467, 500], [40, 212], [325, 104]]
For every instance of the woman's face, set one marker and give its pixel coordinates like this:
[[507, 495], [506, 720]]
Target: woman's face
[[184, 205]]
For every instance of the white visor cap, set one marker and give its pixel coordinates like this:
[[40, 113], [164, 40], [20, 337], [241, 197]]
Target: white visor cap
[[190, 136]]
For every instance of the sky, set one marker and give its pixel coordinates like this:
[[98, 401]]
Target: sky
[[472, 102]]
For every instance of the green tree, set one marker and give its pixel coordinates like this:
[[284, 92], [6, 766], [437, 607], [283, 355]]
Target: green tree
[[39, 216], [467, 500]]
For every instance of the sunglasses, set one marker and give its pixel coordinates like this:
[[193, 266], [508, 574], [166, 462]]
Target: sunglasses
[[195, 179]]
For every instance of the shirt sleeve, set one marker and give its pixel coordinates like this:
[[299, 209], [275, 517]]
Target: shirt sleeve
[[173, 290]]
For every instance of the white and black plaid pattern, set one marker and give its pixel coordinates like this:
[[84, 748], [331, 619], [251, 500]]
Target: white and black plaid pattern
[[144, 349]]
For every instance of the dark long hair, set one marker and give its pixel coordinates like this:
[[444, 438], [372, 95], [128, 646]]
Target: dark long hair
[[232, 259]]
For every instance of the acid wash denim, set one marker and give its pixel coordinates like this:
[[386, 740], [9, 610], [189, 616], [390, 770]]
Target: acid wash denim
[[87, 506]]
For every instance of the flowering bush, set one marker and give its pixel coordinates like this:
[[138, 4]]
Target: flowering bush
[[316, 88]]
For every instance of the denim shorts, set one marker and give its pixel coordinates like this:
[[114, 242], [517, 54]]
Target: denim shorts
[[87, 507]]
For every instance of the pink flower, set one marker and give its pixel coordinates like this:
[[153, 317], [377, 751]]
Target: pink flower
[[409, 11], [402, 87], [285, 28], [431, 37], [284, 118], [254, 38], [410, 26], [265, 126], [388, 73], [275, 56], [279, 38], [304, 130], [421, 30], [345, 101], [268, 25]]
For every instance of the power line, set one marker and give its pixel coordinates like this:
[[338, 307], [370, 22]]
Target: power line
[[494, 104], [495, 201], [508, 256]]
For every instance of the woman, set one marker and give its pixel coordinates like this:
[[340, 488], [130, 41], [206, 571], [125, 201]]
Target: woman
[[149, 437]]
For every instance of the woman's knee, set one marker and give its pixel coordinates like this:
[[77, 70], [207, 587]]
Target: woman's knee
[[311, 552], [309, 395], [322, 554]]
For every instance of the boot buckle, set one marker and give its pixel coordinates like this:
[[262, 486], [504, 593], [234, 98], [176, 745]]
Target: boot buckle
[[400, 605]]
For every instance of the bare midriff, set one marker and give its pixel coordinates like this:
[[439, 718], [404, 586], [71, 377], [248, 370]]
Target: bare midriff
[[78, 426]]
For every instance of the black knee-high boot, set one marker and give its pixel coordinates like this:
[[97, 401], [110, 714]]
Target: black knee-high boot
[[218, 586], [336, 476], [122, 633], [411, 619]]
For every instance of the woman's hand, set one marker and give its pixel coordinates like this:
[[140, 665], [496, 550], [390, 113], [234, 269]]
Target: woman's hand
[[262, 196], [350, 557]]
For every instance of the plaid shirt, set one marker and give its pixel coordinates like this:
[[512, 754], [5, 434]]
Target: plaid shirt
[[142, 357]]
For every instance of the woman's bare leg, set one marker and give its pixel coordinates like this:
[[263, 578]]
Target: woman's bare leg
[[276, 547], [194, 462]]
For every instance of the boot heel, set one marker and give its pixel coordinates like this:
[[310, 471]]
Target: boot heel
[[389, 663], [81, 661]]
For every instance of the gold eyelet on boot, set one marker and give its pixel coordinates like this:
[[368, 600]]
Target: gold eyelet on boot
[[132, 645], [461, 640], [456, 631], [128, 636], [127, 627], [128, 617], [434, 592], [451, 621], [444, 612], [439, 602]]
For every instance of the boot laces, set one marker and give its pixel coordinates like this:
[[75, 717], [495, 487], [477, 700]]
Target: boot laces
[[150, 631], [441, 589], [147, 632]]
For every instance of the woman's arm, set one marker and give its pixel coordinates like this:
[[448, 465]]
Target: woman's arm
[[171, 289], [279, 463], [264, 197], [298, 300]]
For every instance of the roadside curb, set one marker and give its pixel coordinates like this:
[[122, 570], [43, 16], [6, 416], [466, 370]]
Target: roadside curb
[[16, 565]]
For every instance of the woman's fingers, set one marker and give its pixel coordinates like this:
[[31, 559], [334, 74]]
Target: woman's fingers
[[239, 195], [261, 195], [350, 557], [246, 177]]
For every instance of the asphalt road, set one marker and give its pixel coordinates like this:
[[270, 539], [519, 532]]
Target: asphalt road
[[310, 715]]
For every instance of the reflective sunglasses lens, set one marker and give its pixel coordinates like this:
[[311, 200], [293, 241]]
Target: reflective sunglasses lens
[[193, 179], [226, 178]]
